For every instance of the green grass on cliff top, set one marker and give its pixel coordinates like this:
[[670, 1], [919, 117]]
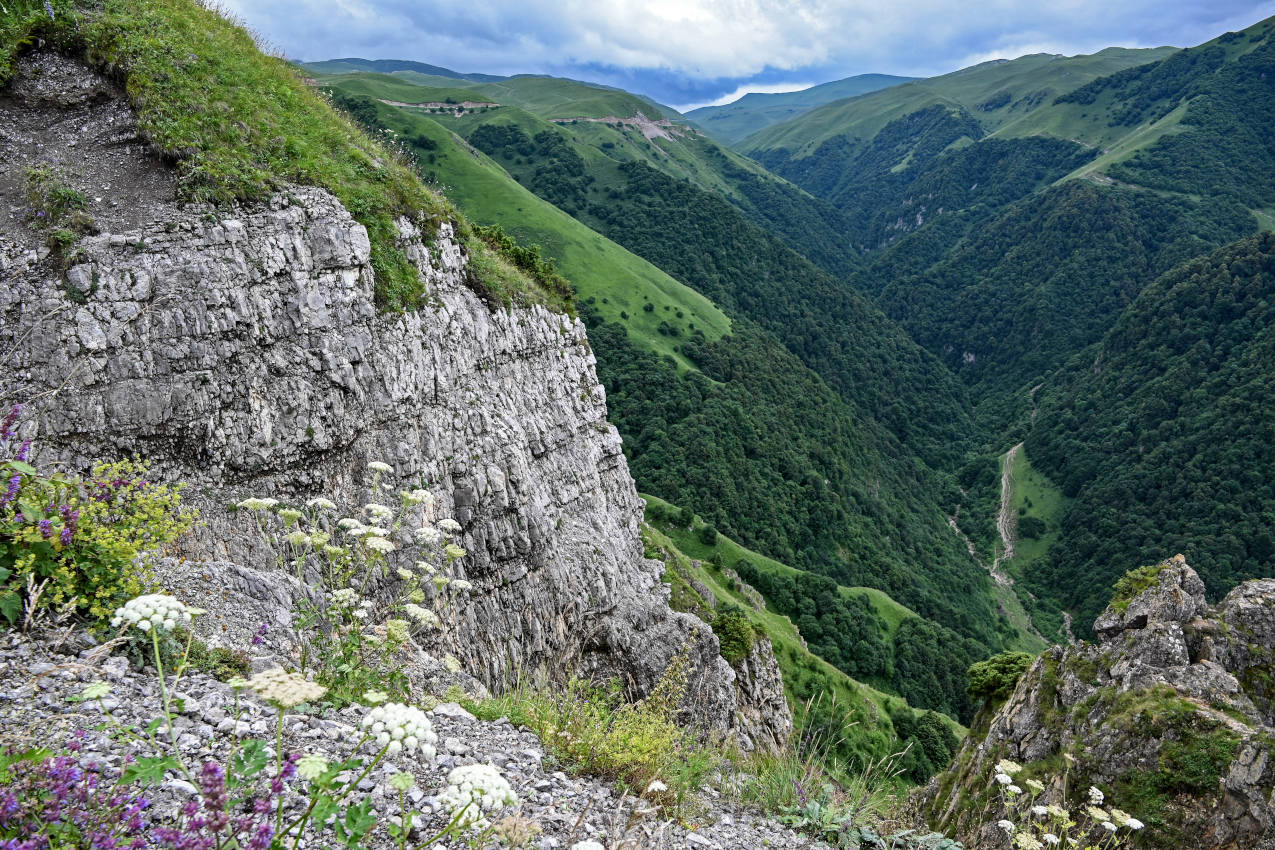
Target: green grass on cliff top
[[240, 124]]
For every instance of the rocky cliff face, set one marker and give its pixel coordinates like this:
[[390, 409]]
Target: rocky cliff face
[[242, 353], [1170, 712]]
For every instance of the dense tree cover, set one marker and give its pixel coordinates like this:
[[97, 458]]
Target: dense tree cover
[[1228, 146], [704, 241], [1164, 434], [930, 743], [924, 662], [811, 226], [763, 450], [1019, 294], [915, 170]]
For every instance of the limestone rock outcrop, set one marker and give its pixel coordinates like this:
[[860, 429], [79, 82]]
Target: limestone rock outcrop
[[1170, 712], [241, 352]]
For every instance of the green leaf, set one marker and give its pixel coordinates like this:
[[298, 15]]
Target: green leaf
[[148, 771], [23, 467], [11, 606], [248, 762]]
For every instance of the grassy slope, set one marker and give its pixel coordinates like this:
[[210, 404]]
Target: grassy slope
[[726, 552], [869, 707], [736, 121], [597, 267], [1034, 495], [1030, 81], [533, 104]]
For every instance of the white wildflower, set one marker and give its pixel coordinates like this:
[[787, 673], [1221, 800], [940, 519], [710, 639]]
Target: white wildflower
[[454, 552], [356, 531], [297, 538], [481, 788], [461, 585], [1027, 841], [1008, 826], [655, 787], [396, 631], [1056, 811], [289, 515], [333, 552], [376, 531], [1013, 789], [427, 535], [321, 503], [97, 690], [418, 497], [153, 610], [380, 466], [379, 513], [1004, 779], [441, 581], [406, 574], [1097, 813], [1135, 824], [1007, 766], [1036, 786], [587, 845], [344, 596], [449, 525], [319, 537], [378, 544], [1109, 826], [311, 767], [1039, 811], [348, 523], [1050, 839], [402, 782], [1095, 795], [255, 504], [424, 616], [426, 567], [361, 614], [1118, 817], [400, 727], [285, 689]]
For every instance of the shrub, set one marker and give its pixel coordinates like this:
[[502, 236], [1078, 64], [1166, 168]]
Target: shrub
[[734, 633], [1134, 582], [78, 544], [993, 680], [707, 535], [1032, 527]]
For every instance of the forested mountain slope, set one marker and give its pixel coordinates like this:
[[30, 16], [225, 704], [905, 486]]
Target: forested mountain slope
[[1164, 433]]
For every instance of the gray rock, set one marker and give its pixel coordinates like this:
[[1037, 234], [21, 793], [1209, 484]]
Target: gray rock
[[1166, 669]]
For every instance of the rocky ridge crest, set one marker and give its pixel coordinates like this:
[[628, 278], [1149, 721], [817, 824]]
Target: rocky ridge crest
[[1170, 711]]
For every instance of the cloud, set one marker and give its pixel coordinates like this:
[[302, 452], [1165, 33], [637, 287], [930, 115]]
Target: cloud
[[740, 91], [699, 50]]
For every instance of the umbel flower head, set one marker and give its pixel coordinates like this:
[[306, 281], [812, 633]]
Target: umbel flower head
[[255, 504], [401, 727], [285, 689], [153, 611], [479, 786]]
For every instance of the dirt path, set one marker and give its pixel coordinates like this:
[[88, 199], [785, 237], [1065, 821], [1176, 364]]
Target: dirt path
[[1006, 519]]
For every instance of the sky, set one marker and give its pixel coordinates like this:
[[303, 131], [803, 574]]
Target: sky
[[688, 53]]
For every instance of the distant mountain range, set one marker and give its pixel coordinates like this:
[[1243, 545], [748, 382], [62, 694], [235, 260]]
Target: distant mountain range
[[736, 121]]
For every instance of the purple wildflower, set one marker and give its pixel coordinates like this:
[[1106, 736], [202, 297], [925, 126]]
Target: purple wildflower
[[23, 450], [12, 493], [260, 637], [6, 429], [261, 841], [46, 528], [70, 521]]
